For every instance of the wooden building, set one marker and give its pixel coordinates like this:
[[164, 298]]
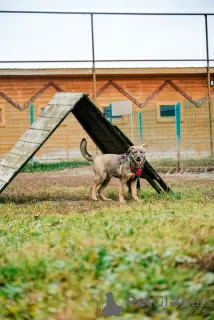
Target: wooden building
[[152, 91]]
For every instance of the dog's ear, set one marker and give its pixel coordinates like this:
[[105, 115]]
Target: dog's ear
[[144, 145], [130, 149]]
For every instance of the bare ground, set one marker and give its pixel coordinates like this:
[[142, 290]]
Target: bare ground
[[32, 183], [83, 177]]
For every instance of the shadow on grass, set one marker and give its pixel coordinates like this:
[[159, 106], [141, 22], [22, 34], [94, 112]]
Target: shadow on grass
[[29, 199], [83, 194]]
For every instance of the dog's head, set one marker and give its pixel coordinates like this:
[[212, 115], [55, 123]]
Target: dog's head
[[138, 154]]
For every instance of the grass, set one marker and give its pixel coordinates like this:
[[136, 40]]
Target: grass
[[41, 167], [59, 250], [160, 165]]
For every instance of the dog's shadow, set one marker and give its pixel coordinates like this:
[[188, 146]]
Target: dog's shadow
[[19, 198], [29, 199]]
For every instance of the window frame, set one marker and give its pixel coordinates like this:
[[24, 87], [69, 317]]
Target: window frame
[[171, 118]]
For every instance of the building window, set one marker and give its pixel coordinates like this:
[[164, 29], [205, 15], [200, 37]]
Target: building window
[[166, 111], [2, 116], [212, 83]]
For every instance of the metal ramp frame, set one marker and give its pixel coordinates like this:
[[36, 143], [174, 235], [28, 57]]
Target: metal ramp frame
[[108, 138]]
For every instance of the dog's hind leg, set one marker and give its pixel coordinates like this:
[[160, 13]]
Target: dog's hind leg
[[97, 184], [100, 178], [103, 186]]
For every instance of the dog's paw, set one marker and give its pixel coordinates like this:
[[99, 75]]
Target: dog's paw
[[107, 199], [136, 199], [122, 201], [104, 198], [94, 199]]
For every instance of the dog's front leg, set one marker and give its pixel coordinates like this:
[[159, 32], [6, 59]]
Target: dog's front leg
[[123, 181], [134, 189], [122, 190]]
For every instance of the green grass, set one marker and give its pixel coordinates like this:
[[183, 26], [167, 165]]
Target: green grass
[[158, 164], [52, 265], [41, 167]]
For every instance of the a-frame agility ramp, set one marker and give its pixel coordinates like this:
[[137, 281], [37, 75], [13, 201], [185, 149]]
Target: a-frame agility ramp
[[108, 138]]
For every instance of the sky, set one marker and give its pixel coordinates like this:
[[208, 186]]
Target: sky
[[61, 37]]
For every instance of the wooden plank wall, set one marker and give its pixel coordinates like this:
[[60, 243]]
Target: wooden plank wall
[[64, 143]]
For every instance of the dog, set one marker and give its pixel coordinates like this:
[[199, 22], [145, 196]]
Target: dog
[[127, 167]]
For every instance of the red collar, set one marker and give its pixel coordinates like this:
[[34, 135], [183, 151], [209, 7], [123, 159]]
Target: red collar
[[136, 171]]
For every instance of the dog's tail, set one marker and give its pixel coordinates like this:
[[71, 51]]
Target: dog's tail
[[83, 149]]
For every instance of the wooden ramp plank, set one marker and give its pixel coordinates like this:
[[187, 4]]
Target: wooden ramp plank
[[35, 136], [24, 148], [14, 161], [42, 123], [55, 111], [6, 173], [2, 184], [32, 140]]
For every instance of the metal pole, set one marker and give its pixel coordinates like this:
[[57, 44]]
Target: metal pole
[[178, 133], [93, 58], [140, 130], [110, 113], [108, 13], [93, 65], [209, 91], [131, 124], [31, 122], [105, 60]]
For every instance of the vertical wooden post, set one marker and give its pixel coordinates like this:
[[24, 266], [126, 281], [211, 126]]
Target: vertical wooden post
[[209, 91], [178, 132]]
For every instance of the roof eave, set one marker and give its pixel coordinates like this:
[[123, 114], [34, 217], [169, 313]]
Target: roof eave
[[104, 71]]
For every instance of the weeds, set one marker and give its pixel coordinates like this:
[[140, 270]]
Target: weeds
[[41, 167]]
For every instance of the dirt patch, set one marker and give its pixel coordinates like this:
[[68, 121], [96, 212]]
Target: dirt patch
[[185, 170], [206, 261], [31, 184]]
